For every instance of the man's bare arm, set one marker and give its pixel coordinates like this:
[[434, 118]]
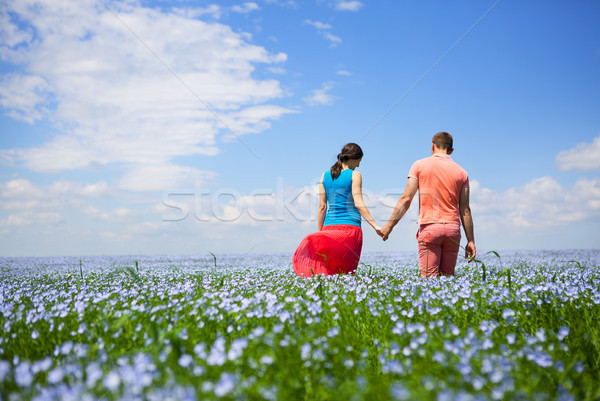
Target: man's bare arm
[[401, 206], [467, 222]]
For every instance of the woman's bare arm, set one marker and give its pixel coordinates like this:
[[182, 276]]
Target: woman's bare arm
[[358, 200], [322, 204]]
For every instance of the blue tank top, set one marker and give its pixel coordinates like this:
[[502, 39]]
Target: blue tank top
[[341, 209]]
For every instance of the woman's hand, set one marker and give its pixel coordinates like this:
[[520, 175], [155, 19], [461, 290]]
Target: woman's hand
[[385, 231]]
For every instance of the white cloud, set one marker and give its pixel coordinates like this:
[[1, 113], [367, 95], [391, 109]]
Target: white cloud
[[318, 25], [21, 194], [583, 157], [348, 5], [19, 188], [212, 10], [254, 119], [120, 214], [111, 96], [277, 70], [343, 73], [284, 3], [24, 96], [95, 190], [162, 176], [320, 96], [11, 35], [31, 218], [538, 205], [323, 29], [245, 8], [335, 40]]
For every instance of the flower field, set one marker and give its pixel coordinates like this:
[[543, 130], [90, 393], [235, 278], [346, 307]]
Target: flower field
[[525, 326]]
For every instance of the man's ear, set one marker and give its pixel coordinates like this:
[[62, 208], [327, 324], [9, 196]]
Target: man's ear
[[450, 151]]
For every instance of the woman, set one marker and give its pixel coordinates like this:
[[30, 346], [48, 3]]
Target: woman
[[336, 247]]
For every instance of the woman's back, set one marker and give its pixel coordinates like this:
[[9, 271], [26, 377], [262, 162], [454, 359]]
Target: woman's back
[[341, 208]]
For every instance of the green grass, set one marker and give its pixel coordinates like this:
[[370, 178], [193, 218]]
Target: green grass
[[253, 330]]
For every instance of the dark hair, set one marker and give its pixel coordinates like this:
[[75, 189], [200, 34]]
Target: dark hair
[[443, 141], [350, 151]]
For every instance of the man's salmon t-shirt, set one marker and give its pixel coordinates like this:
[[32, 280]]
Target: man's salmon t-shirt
[[440, 183]]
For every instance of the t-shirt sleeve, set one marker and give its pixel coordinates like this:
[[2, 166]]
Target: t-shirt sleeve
[[414, 171], [466, 182]]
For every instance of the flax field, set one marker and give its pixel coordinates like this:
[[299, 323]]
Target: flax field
[[521, 325]]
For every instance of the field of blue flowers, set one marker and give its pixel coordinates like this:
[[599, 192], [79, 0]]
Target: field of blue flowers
[[519, 326]]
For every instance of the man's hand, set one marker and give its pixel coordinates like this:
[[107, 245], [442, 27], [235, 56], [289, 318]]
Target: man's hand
[[385, 232], [470, 251]]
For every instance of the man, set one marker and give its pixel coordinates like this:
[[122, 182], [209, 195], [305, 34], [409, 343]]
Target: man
[[443, 204]]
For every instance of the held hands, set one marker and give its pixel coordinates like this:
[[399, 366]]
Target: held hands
[[384, 232]]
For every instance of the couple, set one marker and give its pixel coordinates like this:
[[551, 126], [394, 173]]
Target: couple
[[443, 204]]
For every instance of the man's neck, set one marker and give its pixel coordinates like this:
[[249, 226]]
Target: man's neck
[[440, 152]]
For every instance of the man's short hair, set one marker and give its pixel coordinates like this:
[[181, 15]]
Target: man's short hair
[[443, 141]]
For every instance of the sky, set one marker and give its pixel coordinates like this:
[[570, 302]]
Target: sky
[[187, 127]]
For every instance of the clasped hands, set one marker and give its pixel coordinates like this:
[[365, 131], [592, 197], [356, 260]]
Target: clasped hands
[[384, 232]]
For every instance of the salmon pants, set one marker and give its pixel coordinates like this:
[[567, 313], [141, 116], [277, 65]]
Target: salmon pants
[[438, 248], [333, 250]]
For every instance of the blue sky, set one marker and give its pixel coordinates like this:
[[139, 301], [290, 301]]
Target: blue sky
[[134, 127]]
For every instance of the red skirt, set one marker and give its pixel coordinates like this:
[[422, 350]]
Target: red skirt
[[333, 250]]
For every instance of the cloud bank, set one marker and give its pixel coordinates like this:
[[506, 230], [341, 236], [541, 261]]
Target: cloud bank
[[583, 157], [192, 220], [130, 86]]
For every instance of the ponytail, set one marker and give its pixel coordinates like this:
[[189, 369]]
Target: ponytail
[[336, 169], [349, 151]]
